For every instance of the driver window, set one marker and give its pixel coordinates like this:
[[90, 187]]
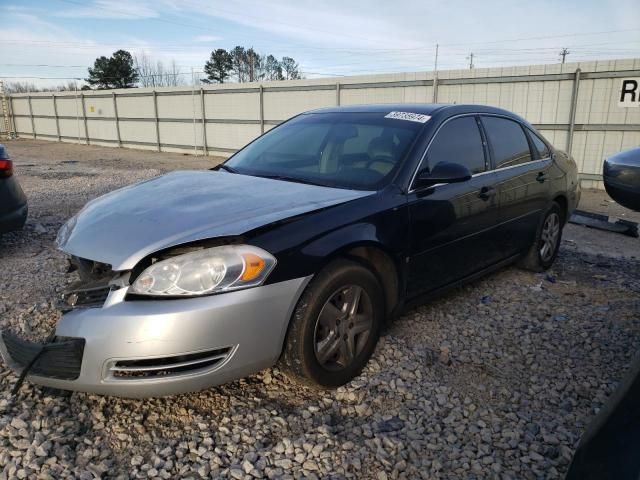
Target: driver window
[[458, 141]]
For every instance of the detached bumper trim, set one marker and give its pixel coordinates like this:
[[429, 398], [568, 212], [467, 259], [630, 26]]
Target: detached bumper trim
[[61, 359]]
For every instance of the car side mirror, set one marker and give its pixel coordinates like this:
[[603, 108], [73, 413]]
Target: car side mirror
[[444, 172]]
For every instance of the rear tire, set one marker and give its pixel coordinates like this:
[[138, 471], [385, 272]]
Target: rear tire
[[545, 249], [335, 326]]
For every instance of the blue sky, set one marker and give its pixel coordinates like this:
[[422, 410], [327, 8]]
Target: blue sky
[[61, 38]]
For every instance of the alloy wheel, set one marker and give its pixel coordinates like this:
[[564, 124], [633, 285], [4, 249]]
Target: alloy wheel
[[343, 327], [549, 237]]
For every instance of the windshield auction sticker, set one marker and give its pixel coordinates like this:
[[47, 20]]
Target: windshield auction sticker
[[411, 117]]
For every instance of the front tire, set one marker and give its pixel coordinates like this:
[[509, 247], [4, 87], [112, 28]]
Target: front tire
[[545, 249], [335, 326]]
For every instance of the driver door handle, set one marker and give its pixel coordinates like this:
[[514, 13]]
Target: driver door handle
[[541, 177], [487, 193]]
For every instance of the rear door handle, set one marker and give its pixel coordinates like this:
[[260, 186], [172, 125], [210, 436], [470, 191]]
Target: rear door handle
[[486, 193], [541, 177]]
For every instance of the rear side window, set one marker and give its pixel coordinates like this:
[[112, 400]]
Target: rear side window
[[508, 141], [541, 147], [458, 141]]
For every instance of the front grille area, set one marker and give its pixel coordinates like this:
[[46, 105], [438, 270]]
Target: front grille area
[[85, 297], [61, 358], [169, 366], [92, 288]]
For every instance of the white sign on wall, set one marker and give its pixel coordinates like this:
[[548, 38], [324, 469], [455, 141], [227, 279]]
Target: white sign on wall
[[629, 93]]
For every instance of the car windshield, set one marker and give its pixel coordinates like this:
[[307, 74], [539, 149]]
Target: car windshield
[[344, 150]]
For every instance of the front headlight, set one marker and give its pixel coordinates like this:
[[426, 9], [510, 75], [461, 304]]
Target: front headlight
[[212, 270], [65, 231]]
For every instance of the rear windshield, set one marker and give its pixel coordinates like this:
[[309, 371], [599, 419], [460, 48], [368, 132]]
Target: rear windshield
[[344, 150]]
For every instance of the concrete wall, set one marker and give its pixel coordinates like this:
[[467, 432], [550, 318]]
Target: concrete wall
[[220, 119]]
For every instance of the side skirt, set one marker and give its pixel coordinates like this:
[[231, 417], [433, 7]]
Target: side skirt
[[424, 298]]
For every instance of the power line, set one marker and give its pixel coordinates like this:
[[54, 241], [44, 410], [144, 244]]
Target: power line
[[544, 37]]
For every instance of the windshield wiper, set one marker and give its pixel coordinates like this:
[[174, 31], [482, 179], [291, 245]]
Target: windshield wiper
[[227, 168], [287, 178]]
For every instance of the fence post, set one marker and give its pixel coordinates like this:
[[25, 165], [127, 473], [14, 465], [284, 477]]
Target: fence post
[[84, 118], [435, 89], [204, 123], [261, 109], [115, 113], [155, 114], [572, 112], [55, 113], [33, 125], [337, 94], [12, 118]]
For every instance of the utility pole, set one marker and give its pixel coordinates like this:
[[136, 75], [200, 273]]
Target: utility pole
[[470, 57], [563, 53], [435, 77]]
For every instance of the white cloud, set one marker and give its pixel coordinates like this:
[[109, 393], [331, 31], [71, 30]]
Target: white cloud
[[206, 38], [328, 36], [112, 9]]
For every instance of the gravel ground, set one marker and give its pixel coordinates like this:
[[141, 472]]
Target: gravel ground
[[497, 379]]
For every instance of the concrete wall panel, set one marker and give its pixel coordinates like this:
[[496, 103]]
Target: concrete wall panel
[[136, 107], [283, 105], [45, 126], [23, 125], [226, 135], [98, 107], [101, 130], [240, 106], [70, 128], [629, 140], [180, 106], [69, 106], [20, 105], [419, 94], [138, 131], [181, 133], [42, 106]]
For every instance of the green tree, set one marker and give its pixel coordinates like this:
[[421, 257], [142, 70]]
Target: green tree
[[255, 65], [239, 63], [117, 71], [272, 69], [291, 68], [219, 66]]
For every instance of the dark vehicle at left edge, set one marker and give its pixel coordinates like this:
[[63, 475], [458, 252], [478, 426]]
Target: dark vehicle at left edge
[[13, 202]]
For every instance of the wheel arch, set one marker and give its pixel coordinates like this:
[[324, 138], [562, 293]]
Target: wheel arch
[[562, 201], [380, 261]]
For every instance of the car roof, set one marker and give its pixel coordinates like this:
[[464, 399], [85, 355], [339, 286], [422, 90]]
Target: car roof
[[421, 108]]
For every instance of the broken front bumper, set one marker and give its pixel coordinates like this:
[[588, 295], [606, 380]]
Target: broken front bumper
[[145, 348]]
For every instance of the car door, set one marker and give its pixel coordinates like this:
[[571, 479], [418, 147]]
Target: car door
[[523, 180], [452, 224]]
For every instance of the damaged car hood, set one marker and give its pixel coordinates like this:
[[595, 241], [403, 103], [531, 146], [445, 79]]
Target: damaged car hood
[[126, 225]]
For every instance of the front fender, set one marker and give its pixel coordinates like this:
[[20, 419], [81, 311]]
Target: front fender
[[309, 243]]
